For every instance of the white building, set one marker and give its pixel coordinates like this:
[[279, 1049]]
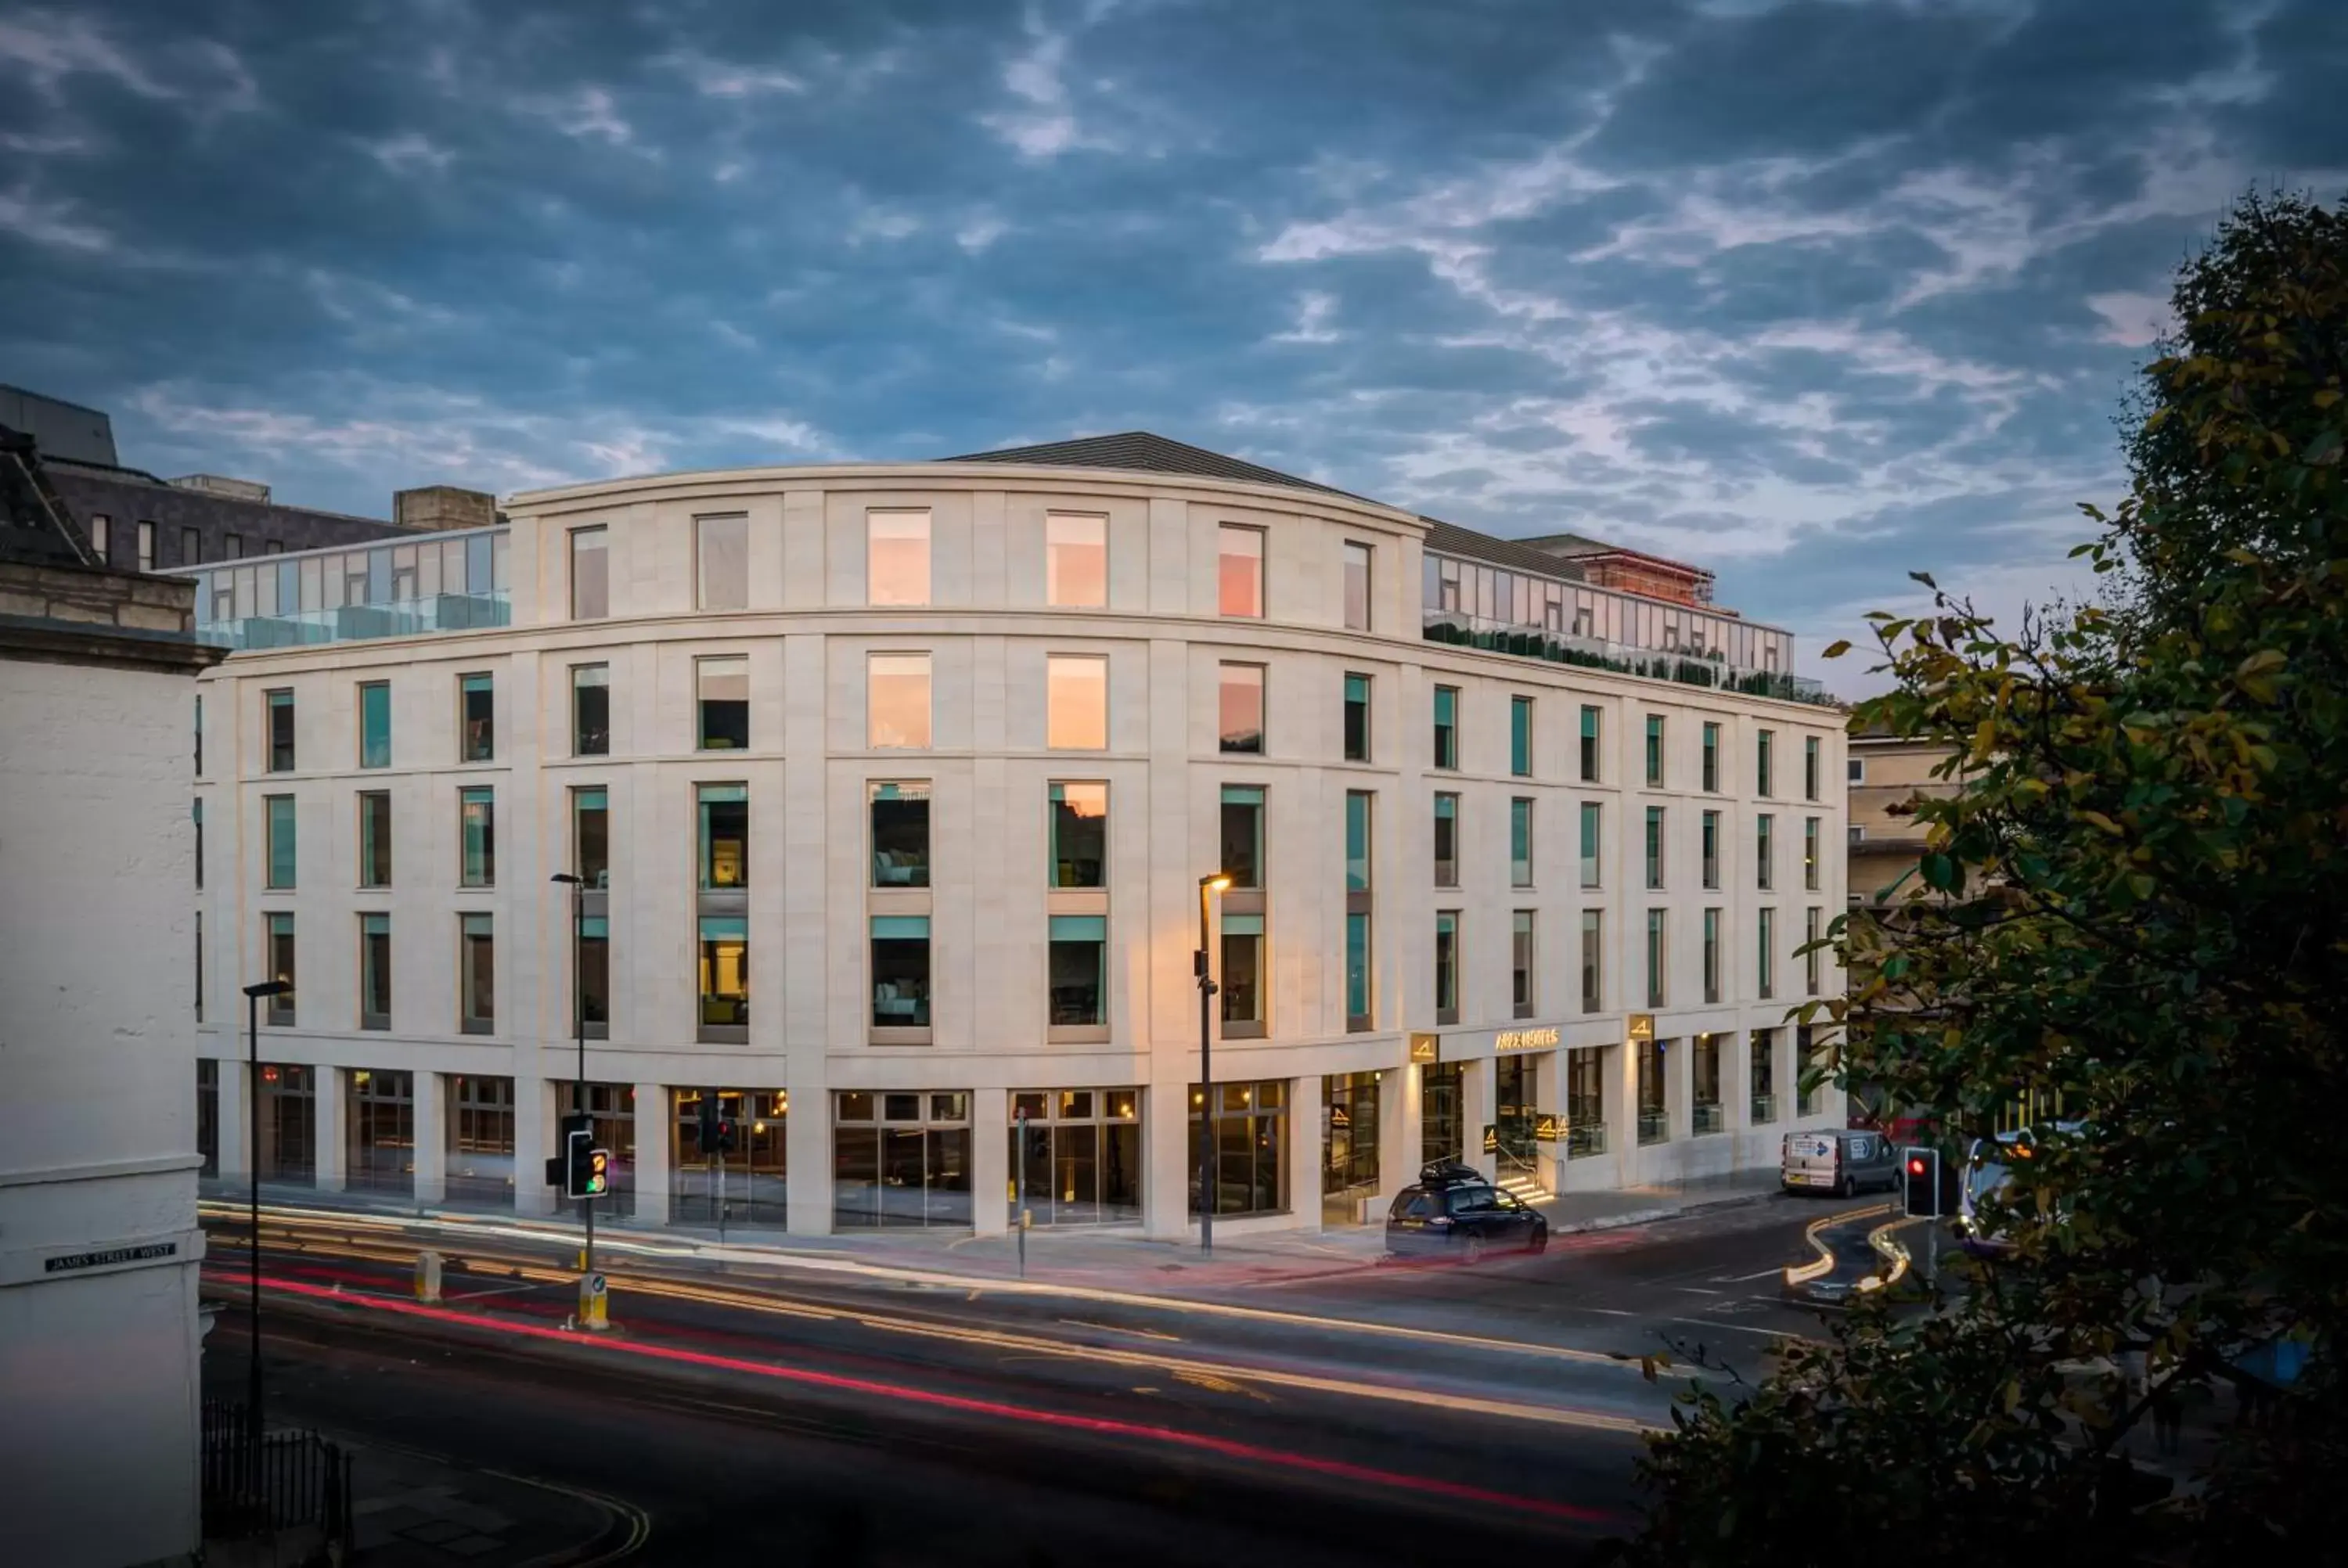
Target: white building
[[99, 1247], [895, 786]]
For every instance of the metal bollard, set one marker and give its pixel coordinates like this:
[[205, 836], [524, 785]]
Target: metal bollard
[[593, 1296], [427, 1278]]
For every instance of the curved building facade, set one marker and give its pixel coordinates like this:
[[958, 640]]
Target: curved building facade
[[891, 790]]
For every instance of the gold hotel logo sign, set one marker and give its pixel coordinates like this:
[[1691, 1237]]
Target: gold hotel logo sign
[[1525, 1039], [1642, 1027], [1426, 1048]]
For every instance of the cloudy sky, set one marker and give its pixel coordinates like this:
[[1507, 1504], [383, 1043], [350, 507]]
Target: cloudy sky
[[1816, 293]]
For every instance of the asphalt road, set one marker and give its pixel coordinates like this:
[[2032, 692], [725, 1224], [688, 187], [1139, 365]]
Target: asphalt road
[[1392, 1415]]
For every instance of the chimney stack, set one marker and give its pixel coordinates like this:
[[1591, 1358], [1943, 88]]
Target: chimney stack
[[435, 508]]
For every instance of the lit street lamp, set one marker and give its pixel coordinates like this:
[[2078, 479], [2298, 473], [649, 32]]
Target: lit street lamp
[[252, 995], [1207, 888]]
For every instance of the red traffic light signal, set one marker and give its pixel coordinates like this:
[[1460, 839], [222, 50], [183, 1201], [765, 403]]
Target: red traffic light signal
[[1916, 1164], [1922, 1184]]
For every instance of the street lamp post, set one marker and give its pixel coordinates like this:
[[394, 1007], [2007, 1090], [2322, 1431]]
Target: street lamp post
[[1207, 888], [578, 886], [252, 995]]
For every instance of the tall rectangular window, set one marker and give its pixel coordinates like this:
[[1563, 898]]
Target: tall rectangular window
[[1589, 721], [375, 971], [897, 558], [1239, 570], [1075, 702], [196, 812], [1520, 842], [232, 543], [725, 811], [1243, 974], [1655, 848], [1764, 744], [1446, 966], [1359, 806], [725, 971], [375, 724], [590, 837], [591, 709], [1079, 964], [102, 536], [1658, 925], [594, 998], [1357, 970], [1446, 726], [1767, 973], [1764, 860], [1712, 956], [375, 838], [1076, 561], [200, 966], [1810, 767], [1447, 841], [1239, 709], [477, 977], [1521, 737], [897, 700], [1079, 834], [199, 737], [591, 574], [280, 932], [1711, 759], [1712, 849], [1521, 993], [1654, 750], [721, 556], [146, 547], [1357, 586], [1243, 835], [191, 546], [1591, 826], [901, 834], [1810, 853], [478, 833], [1813, 920], [280, 732], [1592, 960], [1357, 718], [277, 814], [722, 687], [477, 700], [900, 971]]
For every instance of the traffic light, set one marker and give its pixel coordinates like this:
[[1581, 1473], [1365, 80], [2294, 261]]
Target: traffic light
[[726, 1134], [1920, 1174], [587, 1170], [575, 1124]]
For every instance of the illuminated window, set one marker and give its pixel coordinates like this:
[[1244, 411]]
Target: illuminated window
[[1239, 709], [897, 558], [1238, 572], [1076, 561], [1075, 702], [725, 835], [897, 696], [724, 972], [901, 834]]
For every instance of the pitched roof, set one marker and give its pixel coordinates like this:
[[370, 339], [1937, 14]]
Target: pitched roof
[[1139, 451], [1513, 555]]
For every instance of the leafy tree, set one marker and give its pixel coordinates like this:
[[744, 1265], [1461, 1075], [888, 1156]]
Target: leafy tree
[[2136, 901]]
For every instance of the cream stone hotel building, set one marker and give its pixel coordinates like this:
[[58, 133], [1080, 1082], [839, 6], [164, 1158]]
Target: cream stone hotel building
[[891, 789]]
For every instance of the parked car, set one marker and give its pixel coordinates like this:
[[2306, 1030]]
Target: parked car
[[1837, 1160], [1453, 1209]]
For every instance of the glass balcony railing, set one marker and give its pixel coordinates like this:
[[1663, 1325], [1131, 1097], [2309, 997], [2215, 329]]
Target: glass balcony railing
[[356, 622], [1465, 630], [1765, 1109], [1654, 1127], [1705, 1118], [1584, 1139]]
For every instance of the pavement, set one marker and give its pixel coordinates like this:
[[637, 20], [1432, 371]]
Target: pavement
[[415, 1509], [1102, 1258]]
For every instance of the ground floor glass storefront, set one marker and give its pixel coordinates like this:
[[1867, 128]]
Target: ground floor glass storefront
[[289, 1123], [208, 1115], [1514, 1113], [1585, 1101], [1442, 1107], [749, 1181], [1349, 1144], [1249, 1146], [380, 1118], [480, 1169], [1082, 1164], [899, 1159]]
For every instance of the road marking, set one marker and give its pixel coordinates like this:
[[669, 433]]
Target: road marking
[[1746, 1278], [1698, 1289], [1114, 1329]]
